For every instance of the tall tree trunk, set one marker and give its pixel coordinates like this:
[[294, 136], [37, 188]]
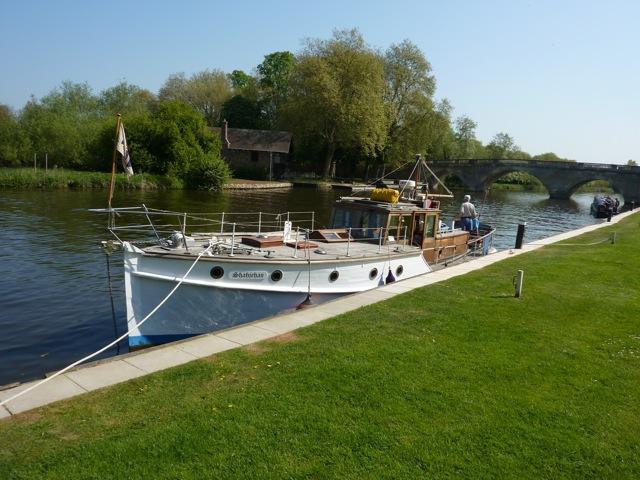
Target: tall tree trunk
[[331, 148]]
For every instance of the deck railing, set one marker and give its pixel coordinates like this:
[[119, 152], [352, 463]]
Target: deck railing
[[153, 226], [150, 225]]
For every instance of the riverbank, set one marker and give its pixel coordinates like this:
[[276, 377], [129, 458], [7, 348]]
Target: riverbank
[[453, 379], [27, 178]]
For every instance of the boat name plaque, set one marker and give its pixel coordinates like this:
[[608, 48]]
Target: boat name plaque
[[248, 275]]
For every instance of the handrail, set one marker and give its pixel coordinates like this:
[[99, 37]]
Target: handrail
[[229, 230], [166, 221]]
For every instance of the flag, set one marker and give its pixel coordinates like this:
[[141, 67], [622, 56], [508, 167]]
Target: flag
[[124, 151]]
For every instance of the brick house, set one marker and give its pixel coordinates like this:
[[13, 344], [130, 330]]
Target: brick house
[[264, 152]]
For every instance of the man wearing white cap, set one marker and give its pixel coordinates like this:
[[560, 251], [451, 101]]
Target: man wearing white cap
[[467, 214]]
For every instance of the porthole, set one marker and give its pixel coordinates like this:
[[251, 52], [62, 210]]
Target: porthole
[[276, 275], [333, 276], [373, 273], [217, 272], [399, 270]]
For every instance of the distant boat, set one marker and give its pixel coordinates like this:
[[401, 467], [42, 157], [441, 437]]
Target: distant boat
[[604, 206]]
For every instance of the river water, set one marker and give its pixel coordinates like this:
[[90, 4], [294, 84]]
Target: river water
[[55, 305]]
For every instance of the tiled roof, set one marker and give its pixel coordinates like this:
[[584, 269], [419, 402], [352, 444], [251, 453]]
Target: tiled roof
[[257, 140]]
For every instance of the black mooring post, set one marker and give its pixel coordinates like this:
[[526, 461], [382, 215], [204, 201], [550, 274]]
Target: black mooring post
[[520, 234]]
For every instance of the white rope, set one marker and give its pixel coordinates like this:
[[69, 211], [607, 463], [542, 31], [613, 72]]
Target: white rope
[[123, 336]]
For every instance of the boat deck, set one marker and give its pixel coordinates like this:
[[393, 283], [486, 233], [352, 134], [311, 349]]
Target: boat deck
[[282, 252]]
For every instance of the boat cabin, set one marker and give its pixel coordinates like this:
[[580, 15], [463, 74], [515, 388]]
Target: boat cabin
[[386, 223]]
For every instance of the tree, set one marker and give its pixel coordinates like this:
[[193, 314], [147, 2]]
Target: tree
[[173, 140], [501, 146], [547, 157], [408, 96], [465, 133], [206, 91], [13, 142], [242, 112], [63, 124], [439, 138], [632, 163], [126, 99], [240, 80], [336, 96], [273, 79]]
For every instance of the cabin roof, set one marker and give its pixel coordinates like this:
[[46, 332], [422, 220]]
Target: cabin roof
[[365, 203]]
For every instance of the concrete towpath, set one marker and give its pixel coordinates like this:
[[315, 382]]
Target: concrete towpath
[[125, 367]]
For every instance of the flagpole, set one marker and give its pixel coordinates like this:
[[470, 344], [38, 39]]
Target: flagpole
[[113, 163]]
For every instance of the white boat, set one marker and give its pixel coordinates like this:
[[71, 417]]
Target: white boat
[[247, 268]]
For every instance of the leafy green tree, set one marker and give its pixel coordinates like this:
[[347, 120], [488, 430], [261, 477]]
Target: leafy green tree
[[126, 99], [632, 163], [408, 98], [63, 124], [240, 80], [174, 140], [14, 144], [439, 138], [205, 91], [336, 96], [242, 112], [502, 146], [273, 80], [465, 133]]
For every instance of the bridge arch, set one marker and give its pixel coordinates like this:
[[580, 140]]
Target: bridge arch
[[612, 184], [496, 175], [561, 179]]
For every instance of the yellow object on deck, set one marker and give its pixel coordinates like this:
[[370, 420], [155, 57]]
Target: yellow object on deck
[[385, 195]]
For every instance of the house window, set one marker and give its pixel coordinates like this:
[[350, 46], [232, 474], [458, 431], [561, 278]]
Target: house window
[[255, 156]]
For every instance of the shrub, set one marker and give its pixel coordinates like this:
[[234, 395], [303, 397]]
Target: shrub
[[207, 173]]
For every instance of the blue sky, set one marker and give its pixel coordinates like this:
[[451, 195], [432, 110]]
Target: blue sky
[[559, 76]]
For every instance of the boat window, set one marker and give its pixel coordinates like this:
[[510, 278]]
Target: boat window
[[431, 226], [418, 230], [393, 227], [364, 223], [404, 228], [346, 218]]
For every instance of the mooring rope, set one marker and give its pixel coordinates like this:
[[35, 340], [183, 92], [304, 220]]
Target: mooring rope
[[117, 340]]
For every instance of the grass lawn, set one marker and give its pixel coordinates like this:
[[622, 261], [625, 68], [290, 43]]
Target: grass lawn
[[454, 380]]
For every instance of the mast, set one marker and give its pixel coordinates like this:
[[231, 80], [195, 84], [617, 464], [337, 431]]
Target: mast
[[112, 183]]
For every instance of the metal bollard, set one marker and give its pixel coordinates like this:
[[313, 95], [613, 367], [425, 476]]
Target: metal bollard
[[520, 234]]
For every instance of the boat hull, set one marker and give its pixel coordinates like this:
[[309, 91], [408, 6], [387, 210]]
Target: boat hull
[[195, 309], [244, 293]]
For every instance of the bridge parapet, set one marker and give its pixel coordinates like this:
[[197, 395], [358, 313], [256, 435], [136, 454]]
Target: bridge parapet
[[560, 178]]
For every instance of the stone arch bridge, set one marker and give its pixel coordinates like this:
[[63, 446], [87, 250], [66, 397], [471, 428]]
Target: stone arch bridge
[[561, 179]]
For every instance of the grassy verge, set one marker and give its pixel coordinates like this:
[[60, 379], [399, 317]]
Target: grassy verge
[[454, 380], [27, 178], [60, 178]]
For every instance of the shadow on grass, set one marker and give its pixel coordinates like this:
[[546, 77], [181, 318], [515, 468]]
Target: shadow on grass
[[503, 295]]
